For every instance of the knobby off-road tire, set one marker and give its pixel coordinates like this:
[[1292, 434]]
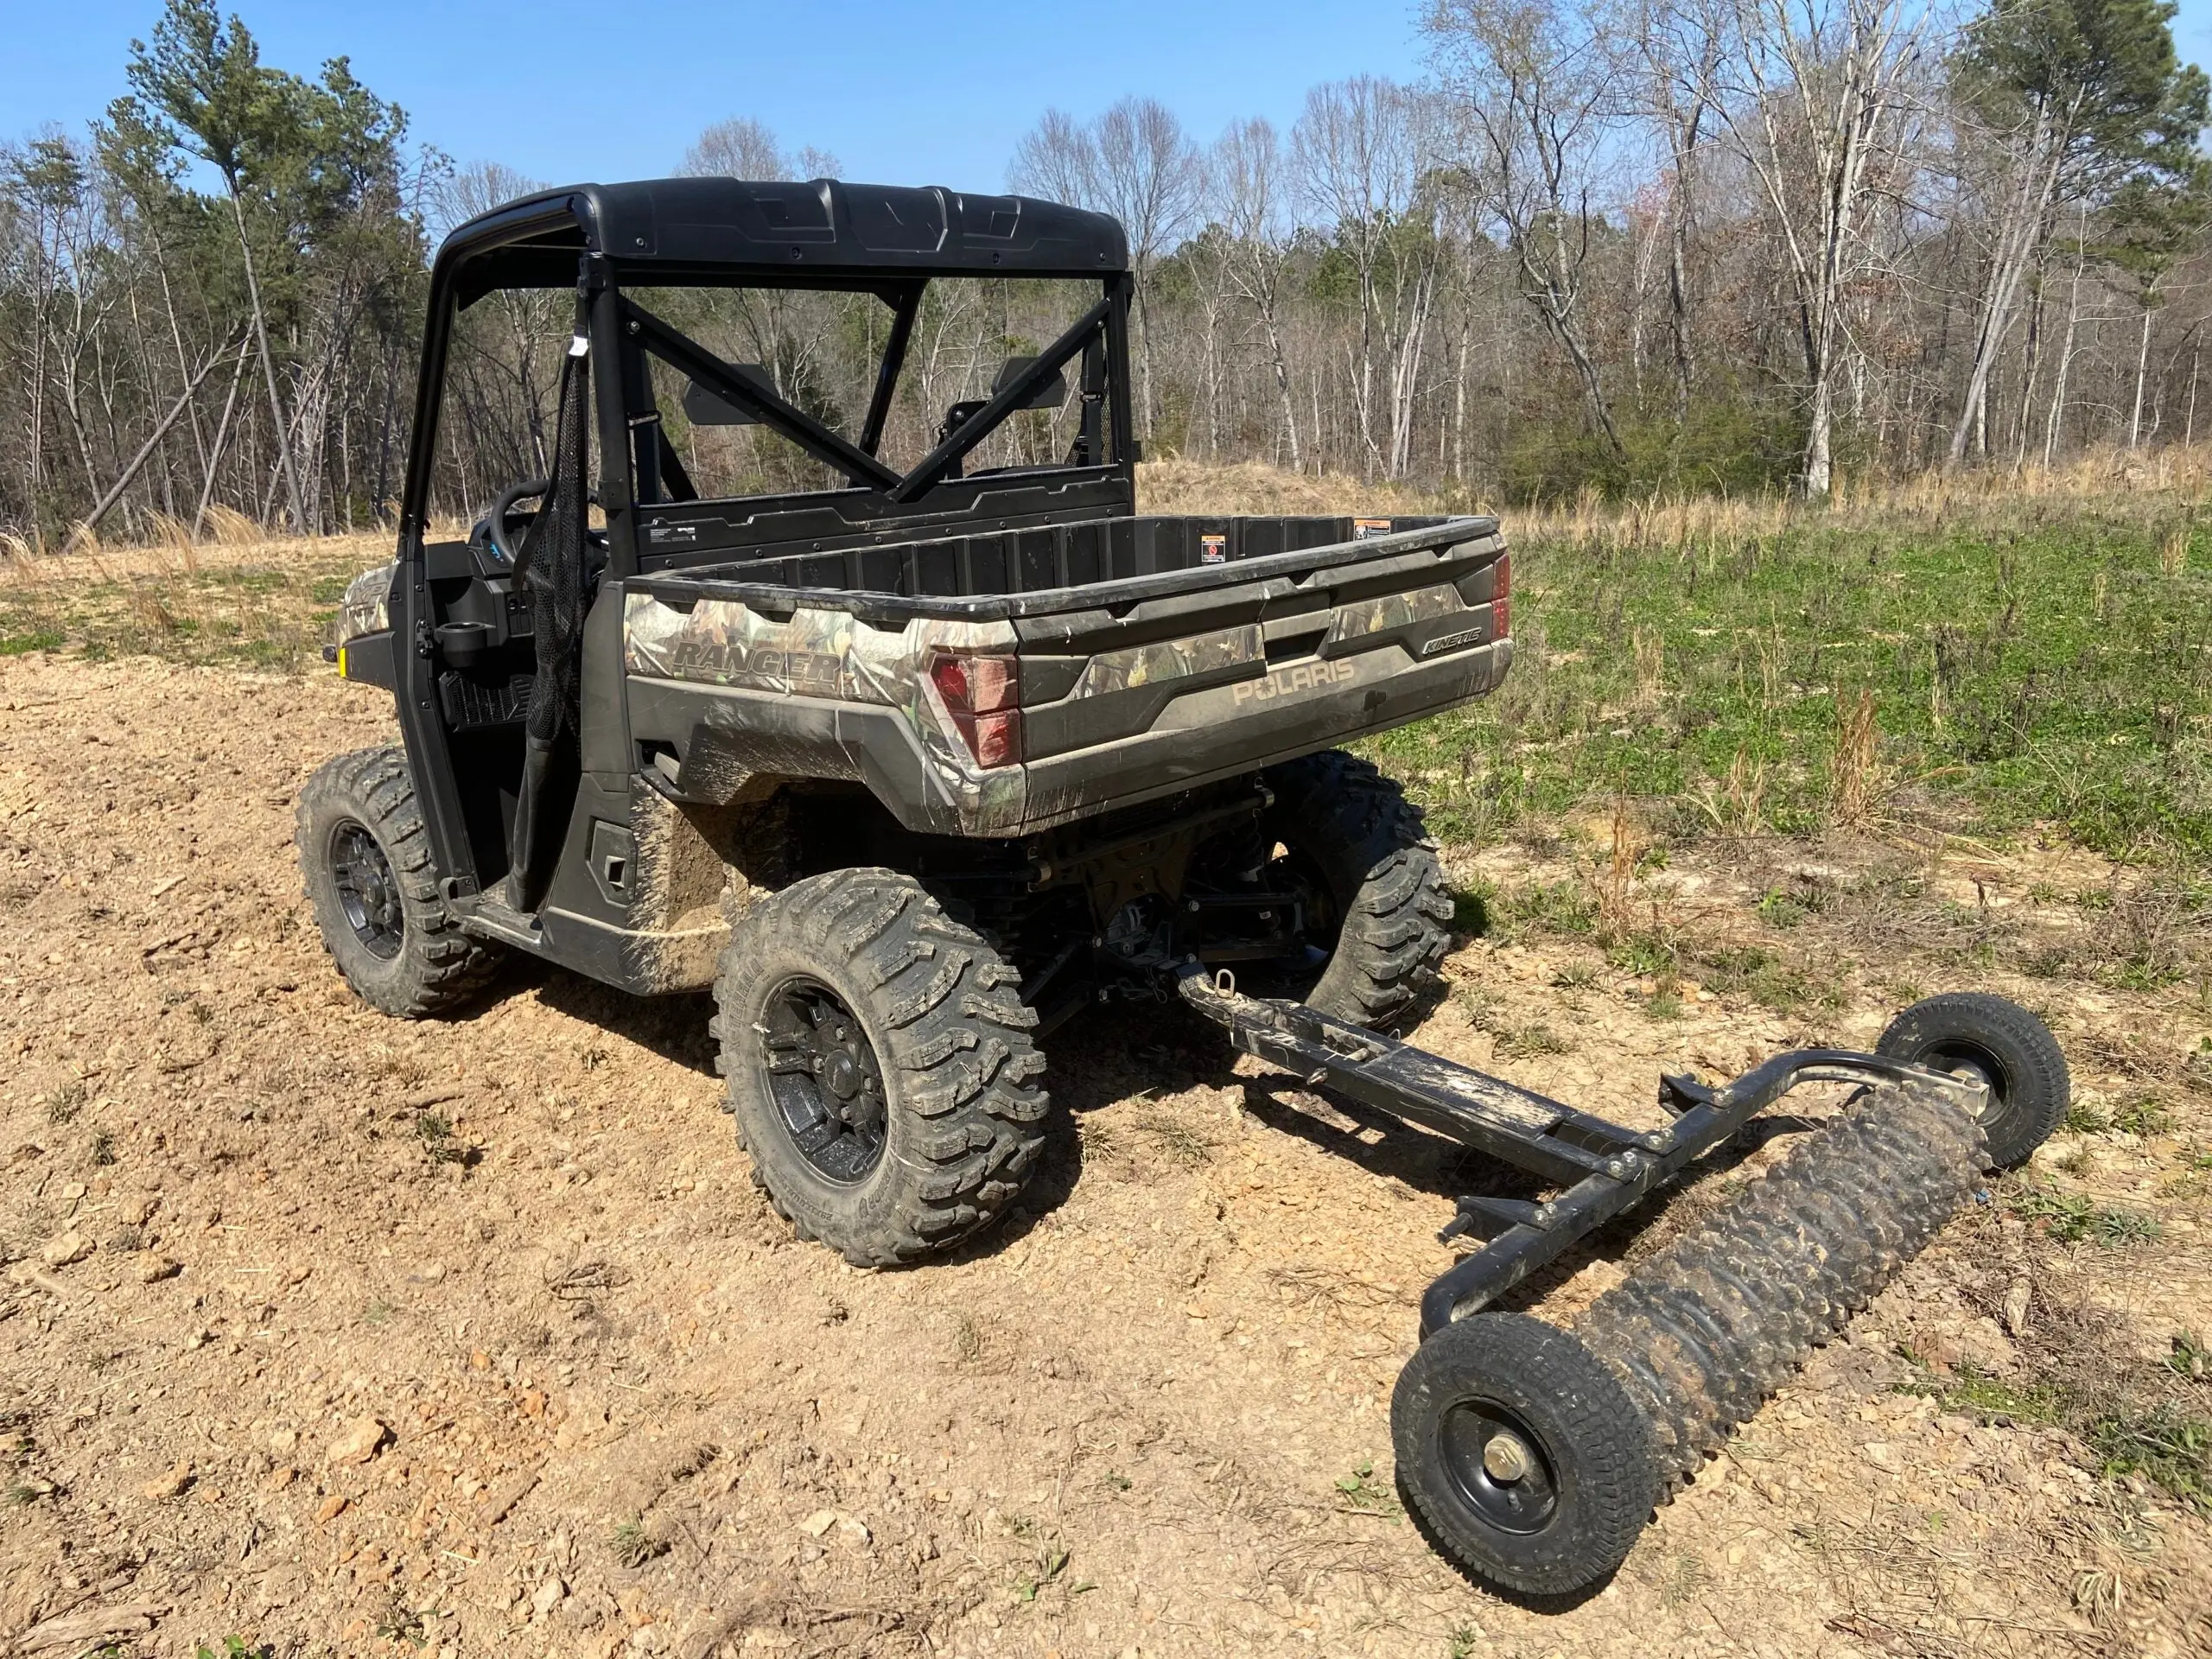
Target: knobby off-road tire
[[1997, 1043], [1578, 1487], [367, 867], [1351, 830], [879, 1065]]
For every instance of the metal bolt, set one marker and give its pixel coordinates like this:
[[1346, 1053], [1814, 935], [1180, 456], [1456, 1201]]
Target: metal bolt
[[1506, 1458], [1616, 1167]]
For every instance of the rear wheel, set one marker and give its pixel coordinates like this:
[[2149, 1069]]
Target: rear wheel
[[375, 892], [1377, 918], [879, 1065]]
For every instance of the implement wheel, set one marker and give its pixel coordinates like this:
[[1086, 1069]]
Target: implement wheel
[[1999, 1045], [1522, 1453]]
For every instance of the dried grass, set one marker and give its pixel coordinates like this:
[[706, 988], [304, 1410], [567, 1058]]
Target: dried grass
[[1854, 781], [1255, 488], [1615, 900], [1738, 806]]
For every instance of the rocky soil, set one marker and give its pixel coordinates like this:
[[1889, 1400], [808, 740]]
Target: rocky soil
[[343, 1336]]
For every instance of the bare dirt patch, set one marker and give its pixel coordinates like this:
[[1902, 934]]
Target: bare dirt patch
[[472, 1337]]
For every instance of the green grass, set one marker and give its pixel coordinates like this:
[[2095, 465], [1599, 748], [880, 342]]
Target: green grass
[[265, 617], [1972, 1392], [632, 1545], [2169, 1447], [2072, 1219], [2030, 661]]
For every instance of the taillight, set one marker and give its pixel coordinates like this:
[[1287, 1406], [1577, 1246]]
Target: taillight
[[983, 697], [1501, 604]]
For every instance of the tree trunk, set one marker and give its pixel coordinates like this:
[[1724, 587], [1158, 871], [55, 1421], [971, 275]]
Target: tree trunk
[[215, 451], [281, 435], [2142, 363]]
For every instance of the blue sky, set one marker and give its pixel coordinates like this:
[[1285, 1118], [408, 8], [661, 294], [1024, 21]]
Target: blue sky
[[900, 94]]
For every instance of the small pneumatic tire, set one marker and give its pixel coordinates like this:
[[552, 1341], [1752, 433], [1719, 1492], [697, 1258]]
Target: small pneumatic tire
[[1996, 1042], [367, 864], [1552, 1508], [1348, 832], [879, 1065]]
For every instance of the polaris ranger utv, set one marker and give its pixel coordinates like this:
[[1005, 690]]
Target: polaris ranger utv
[[910, 761]]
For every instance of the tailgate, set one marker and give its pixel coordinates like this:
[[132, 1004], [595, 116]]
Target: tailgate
[[1110, 671]]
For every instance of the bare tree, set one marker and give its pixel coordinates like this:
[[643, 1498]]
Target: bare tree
[[1247, 177], [1362, 150], [1813, 99], [1535, 93], [1135, 163], [742, 148], [1676, 64]]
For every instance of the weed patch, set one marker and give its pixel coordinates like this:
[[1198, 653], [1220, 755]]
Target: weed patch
[[2073, 1218]]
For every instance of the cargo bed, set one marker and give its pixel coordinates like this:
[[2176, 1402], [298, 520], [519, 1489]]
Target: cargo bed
[[1130, 658]]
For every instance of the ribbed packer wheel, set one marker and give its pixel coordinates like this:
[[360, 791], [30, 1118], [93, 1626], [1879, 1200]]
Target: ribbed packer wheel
[[879, 1065], [1693, 1342]]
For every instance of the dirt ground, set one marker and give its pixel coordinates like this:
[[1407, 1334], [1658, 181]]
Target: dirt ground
[[346, 1336]]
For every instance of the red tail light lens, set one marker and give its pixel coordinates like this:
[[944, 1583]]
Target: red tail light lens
[[1501, 604], [983, 697]]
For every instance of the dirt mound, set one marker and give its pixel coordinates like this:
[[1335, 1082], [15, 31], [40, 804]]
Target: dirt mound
[[472, 1338]]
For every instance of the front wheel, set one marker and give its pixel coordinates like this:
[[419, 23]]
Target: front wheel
[[367, 864], [1999, 1044], [880, 1066]]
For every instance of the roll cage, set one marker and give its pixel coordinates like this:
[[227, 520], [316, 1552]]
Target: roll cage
[[884, 241]]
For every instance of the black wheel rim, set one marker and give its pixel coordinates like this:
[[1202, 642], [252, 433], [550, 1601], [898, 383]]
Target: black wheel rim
[[1971, 1062], [1520, 1505], [824, 1078], [368, 893]]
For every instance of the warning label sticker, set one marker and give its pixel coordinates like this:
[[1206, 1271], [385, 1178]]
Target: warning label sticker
[[1213, 549], [1364, 528]]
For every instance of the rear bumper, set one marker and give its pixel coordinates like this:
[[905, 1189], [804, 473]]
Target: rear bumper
[[727, 737]]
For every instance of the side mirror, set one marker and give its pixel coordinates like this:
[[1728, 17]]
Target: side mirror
[[1051, 395], [705, 408]]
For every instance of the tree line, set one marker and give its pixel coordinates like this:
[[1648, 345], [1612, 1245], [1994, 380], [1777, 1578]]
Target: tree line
[[1617, 246]]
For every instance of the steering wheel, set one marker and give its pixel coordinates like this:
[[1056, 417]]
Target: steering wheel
[[503, 542]]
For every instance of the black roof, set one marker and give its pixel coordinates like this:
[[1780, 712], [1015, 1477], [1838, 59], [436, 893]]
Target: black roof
[[823, 232]]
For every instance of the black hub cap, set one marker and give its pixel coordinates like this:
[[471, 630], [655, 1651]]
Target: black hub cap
[[1510, 1484], [366, 890], [823, 1077]]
